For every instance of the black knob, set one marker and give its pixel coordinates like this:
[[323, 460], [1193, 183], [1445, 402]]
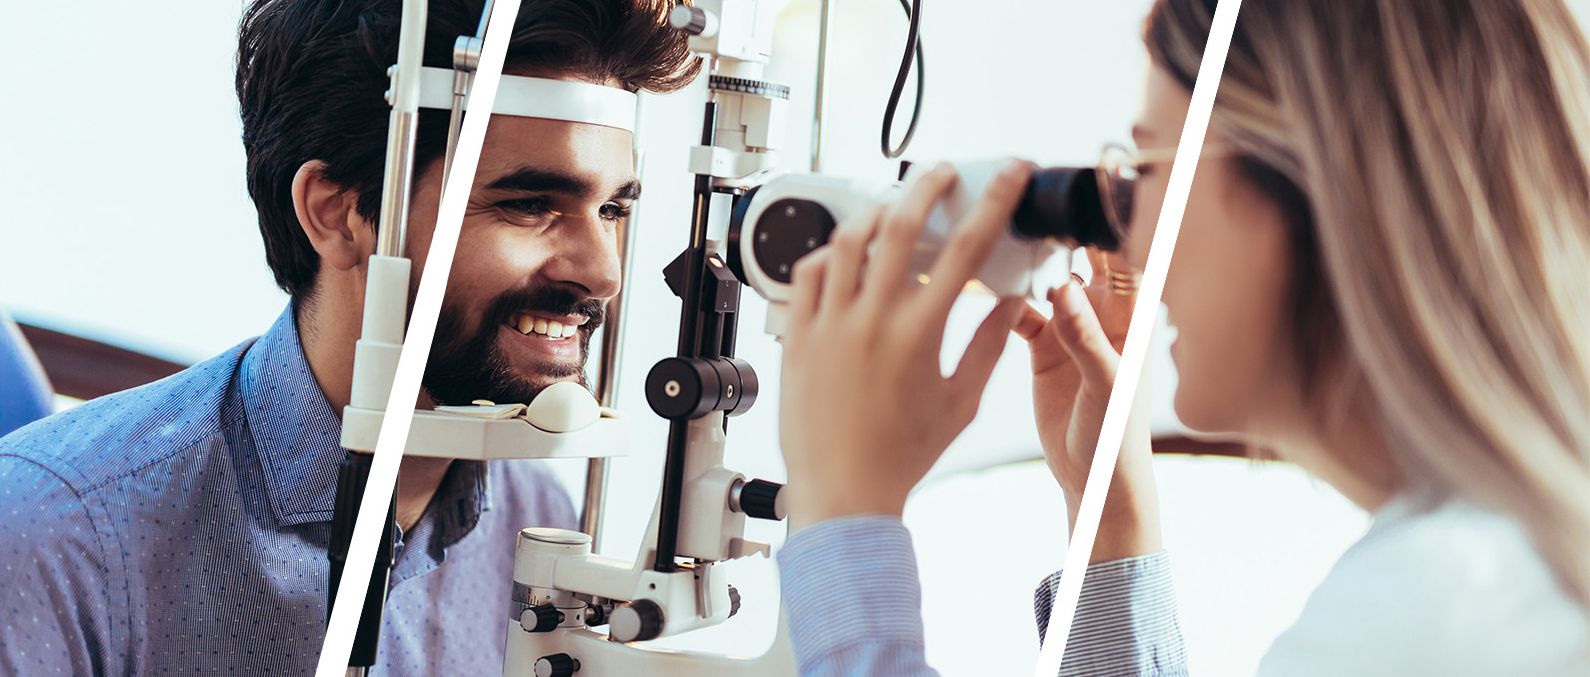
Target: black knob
[[637, 621], [692, 387], [680, 387], [734, 601], [738, 400], [595, 616], [557, 665], [759, 499], [543, 618]]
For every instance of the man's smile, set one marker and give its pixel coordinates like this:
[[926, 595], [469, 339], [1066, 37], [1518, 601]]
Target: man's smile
[[547, 327], [534, 339]]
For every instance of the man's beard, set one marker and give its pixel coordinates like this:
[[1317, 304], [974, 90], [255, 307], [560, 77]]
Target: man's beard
[[464, 367]]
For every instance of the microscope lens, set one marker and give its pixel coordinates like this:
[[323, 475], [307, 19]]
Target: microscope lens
[[1064, 203]]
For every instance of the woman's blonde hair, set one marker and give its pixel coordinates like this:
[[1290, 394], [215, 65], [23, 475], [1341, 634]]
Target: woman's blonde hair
[[1435, 158]]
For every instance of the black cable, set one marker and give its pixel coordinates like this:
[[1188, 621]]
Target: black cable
[[913, 45]]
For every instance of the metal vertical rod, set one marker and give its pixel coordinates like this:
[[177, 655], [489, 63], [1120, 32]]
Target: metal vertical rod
[[455, 120], [381, 328], [595, 498], [392, 229], [352, 477], [689, 344], [607, 387], [818, 118], [596, 469], [392, 233], [607, 393]]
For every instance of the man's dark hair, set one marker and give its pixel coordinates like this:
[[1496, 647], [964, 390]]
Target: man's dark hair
[[311, 76]]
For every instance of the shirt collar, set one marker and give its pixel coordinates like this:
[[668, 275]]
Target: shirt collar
[[298, 439], [296, 434]]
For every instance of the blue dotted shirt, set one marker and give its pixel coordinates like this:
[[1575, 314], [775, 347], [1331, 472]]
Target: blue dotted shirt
[[181, 527]]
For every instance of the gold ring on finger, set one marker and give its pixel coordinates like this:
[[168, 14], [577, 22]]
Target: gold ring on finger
[[1124, 283]]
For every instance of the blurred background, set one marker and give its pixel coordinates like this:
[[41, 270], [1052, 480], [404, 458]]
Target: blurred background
[[132, 250]]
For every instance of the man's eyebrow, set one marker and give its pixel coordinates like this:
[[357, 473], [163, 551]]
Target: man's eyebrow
[[629, 191], [542, 180], [545, 180]]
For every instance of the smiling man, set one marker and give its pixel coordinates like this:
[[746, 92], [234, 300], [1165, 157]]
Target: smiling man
[[182, 526]]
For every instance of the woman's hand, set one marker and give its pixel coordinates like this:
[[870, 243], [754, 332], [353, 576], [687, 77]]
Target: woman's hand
[[1074, 358], [865, 411]]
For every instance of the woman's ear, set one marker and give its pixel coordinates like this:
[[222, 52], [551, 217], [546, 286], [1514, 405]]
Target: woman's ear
[[329, 216]]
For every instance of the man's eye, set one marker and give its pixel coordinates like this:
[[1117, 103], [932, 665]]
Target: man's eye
[[530, 206], [614, 211]]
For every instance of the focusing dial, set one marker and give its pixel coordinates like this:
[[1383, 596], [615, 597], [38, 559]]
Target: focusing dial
[[725, 83]]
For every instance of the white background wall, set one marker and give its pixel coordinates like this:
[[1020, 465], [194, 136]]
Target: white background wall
[[127, 220]]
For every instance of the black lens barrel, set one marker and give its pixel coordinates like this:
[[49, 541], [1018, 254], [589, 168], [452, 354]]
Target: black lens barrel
[[1064, 203]]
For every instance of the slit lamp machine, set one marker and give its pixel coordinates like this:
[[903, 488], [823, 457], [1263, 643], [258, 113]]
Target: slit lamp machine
[[574, 611]]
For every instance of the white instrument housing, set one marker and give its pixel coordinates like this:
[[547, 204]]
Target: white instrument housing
[[557, 567], [807, 204]]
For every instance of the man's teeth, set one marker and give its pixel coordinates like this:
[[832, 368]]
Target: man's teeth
[[551, 329]]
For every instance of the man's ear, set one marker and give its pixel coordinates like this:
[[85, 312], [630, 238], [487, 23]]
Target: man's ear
[[330, 218]]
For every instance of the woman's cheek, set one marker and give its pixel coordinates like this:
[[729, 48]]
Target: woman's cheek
[[1199, 391], [1204, 294]]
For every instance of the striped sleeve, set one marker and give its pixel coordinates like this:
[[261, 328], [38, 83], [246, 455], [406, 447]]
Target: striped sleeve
[[853, 599], [1125, 624]]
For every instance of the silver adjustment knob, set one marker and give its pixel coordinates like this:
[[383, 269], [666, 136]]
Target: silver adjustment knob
[[557, 665], [542, 618], [636, 621], [693, 20], [760, 499]]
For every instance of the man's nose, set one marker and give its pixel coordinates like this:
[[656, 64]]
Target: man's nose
[[585, 253]]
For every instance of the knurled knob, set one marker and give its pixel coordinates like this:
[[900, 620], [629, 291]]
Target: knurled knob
[[729, 83], [557, 665], [734, 601], [636, 621], [759, 499], [691, 20], [543, 618]]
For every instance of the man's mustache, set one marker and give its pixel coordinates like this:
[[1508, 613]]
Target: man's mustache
[[547, 300]]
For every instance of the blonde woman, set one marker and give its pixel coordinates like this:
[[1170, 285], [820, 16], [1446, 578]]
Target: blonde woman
[[1383, 276]]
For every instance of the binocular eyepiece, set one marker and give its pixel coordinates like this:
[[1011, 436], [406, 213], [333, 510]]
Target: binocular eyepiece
[[783, 220], [1066, 204]]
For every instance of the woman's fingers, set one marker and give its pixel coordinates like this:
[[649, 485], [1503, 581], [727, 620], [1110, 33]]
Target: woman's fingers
[[967, 249], [1033, 327], [1029, 325], [847, 253], [1077, 329], [1113, 291], [977, 363], [900, 232], [1100, 265]]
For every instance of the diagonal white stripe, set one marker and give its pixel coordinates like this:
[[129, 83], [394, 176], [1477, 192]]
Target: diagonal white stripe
[[1113, 430], [394, 434]]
